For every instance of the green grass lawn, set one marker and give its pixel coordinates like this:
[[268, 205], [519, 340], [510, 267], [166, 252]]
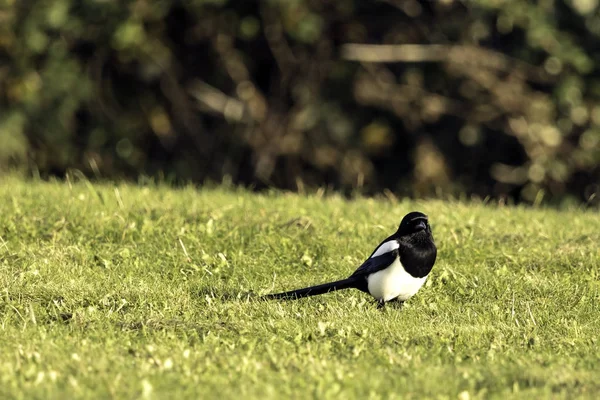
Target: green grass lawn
[[142, 292]]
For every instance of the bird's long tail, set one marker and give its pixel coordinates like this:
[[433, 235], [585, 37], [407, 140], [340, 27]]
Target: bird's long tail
[[314, 290]]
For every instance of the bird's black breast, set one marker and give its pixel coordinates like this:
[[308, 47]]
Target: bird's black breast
[[418, 255]]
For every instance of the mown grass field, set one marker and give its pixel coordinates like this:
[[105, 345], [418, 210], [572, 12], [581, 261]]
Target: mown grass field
[[142, 292]]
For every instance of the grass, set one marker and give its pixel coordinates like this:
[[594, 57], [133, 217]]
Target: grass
[[141, 292]]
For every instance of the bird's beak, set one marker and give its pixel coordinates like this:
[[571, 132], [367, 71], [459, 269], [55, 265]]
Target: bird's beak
[[422, 225]]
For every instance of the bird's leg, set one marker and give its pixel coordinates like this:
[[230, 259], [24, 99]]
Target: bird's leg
[[398, 303], [380, 304]]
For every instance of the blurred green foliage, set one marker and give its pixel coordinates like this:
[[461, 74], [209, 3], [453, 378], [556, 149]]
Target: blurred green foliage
[[497, 99]]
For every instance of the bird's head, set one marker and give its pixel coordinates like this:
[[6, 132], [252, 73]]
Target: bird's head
[[413, 223]]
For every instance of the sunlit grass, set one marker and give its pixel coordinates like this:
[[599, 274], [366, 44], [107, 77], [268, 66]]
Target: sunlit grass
[[127, 292]]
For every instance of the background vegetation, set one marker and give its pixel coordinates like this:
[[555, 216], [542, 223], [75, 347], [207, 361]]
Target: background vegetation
[[142, 292], [497, 98]]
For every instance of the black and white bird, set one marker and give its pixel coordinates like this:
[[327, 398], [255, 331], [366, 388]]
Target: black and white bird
[[396, 270]]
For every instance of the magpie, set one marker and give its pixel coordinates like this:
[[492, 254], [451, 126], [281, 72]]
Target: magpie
[[396, 269]]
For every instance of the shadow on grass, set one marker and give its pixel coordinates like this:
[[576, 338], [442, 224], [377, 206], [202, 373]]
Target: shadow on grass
[[208, 293], [175, 324], [225, 294]]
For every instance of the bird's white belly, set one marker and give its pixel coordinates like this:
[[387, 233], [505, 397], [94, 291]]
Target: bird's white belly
[[394, 282]]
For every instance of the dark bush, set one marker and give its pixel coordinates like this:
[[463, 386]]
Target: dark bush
[[480, 97]]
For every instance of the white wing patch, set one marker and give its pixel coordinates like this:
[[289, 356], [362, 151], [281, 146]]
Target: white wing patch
[[386, 247]]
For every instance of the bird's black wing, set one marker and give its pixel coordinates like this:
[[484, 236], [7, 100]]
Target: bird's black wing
[[374, 264]]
